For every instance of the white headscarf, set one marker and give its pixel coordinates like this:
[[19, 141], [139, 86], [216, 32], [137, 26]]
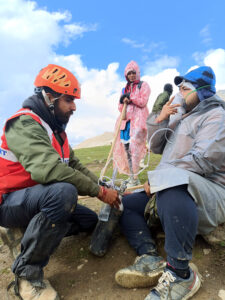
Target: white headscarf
[[187, 84]]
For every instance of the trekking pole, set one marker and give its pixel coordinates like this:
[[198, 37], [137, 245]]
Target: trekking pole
[[108, 216], [122, 117], [136, 187]]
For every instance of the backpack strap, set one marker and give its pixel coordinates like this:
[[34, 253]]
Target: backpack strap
[[139, 87], [140, 84]]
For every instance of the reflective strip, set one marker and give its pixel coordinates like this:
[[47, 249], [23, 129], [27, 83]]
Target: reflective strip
[[65, 160], [8, 155], [43, 123], [48, 129], [23, 111]]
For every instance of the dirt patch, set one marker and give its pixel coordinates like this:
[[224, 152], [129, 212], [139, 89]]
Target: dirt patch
[[77, 275]]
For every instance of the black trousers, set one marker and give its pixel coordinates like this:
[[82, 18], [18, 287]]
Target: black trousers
[[48, 213], [179, 218]]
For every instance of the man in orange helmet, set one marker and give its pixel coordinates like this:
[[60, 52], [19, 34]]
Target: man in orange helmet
[[40, 179]]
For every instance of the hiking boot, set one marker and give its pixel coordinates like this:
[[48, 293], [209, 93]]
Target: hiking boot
[[172, 287], [12, 238], [25, 290], [145, 272]]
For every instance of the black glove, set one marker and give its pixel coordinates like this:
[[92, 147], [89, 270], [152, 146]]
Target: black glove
[[126, 95]]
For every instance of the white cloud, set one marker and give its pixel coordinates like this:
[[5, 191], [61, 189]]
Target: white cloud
[[145, 47], [206, 35], [199, 57], [81, 128], [27, 44], [157, 83], [214, 58], [132, 43], [161, 63], [153, 46], [77, 30]]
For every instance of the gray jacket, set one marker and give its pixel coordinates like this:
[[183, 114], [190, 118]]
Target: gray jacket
[[193, 154]]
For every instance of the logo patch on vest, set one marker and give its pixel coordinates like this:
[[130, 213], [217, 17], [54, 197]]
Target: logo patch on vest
[[6, 154]]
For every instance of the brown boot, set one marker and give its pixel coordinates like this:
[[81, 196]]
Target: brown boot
[[26, 291]]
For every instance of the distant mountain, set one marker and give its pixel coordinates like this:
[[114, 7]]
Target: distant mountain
[[101, 140], [221, 93]]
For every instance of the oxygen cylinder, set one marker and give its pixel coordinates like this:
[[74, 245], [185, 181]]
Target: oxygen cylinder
[[108, 220]]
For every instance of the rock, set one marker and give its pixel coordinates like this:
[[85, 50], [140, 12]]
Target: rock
[[80, 267], [217, 236], [221, 294], [206, 251]]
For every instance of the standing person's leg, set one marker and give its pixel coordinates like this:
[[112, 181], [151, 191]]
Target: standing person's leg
[[148, 266], [138, 150], [133, 180], [44, 210], [179, 218], [129, 159]]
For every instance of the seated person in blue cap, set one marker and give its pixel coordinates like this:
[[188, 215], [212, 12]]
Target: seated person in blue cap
[[188, 186]]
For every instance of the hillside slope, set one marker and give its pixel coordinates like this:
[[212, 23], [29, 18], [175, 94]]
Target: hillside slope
[[100, 140]]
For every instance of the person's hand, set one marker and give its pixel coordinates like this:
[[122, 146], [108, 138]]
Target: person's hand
[[109, 196], [126, 100], [147, 189], [167, 110]]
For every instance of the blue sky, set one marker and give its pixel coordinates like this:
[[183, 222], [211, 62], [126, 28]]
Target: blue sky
[[96, 39]]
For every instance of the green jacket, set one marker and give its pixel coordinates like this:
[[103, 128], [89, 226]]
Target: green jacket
[[30, 143], [160, 101]]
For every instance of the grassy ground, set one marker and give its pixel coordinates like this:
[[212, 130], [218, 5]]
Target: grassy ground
[[95, 159]]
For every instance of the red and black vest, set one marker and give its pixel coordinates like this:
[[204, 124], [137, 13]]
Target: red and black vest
[[13, 176]]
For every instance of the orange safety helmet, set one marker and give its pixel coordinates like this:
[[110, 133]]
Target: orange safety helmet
[[59, 80]]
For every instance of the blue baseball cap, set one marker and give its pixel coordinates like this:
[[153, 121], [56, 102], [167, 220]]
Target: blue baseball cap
[[200, 77]]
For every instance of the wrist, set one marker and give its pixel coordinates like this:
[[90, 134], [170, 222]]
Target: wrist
[[158, 120], [102, 192]]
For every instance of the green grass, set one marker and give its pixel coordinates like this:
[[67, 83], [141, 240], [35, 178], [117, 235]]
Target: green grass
[[95, 154], [95, 159]]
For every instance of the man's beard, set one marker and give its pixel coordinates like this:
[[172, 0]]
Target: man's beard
[[63, 118]]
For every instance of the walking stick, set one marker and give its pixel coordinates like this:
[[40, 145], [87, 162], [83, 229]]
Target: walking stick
[[122, 117]]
